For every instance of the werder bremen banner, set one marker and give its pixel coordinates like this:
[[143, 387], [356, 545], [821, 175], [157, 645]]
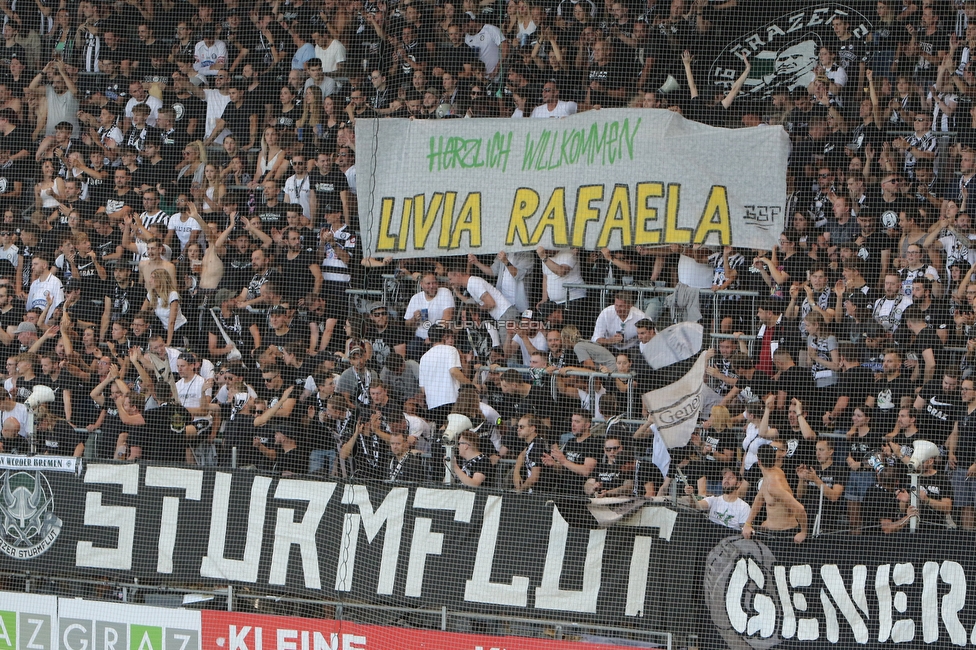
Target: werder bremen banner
[[609, 178]]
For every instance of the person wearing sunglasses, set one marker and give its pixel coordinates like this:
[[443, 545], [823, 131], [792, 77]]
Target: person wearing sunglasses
[[614, 473]]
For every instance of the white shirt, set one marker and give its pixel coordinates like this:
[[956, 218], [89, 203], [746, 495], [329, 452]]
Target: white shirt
[[513, 287], [297, 191], [206, 57], [562, 109], [487, 44], [183, 229], [331, 56], [10, 254], [328, 85], [36, 297], [731, 514], [190, 392], [436, 306], [440, 387], [154, 104], [608, 325], [478, 287], [216, 103], [538, 341], [694, 274], [555, 284], [161, 310]]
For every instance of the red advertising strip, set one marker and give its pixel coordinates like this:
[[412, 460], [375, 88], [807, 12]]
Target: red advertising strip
[[244, 631]]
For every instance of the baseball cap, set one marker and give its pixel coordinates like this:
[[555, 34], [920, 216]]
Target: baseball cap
[[355, 351], [26, 327], [223, 296]]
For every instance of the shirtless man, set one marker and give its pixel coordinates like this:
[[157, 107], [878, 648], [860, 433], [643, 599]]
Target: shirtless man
[[154, 250], [783, 511], [213, 267]]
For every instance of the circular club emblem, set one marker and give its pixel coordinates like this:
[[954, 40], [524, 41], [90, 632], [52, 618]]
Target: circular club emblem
[[30, 526]]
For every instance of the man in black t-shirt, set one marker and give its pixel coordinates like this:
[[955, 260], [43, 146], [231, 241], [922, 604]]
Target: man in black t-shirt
[[820, 487], [300, 268], [891, 392], [962, 456], [940, 405], [926, 350], [240, 117], [387, 336], [330, 188], [574, 461], [530, 471], [934, 494], [11, 180]]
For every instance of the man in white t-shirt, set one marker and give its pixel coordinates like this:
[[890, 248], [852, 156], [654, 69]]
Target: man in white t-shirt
[[45, 285], [433, 304], [139, 95], [551, 105], [191, 389], [328, 50], [440, 374], [488, 42], [727, 509], [484, 297], [216, 99], [210, 53], [616, 326], [560, 304]]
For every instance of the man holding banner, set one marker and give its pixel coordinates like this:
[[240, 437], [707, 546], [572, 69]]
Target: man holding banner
[[484, 297]]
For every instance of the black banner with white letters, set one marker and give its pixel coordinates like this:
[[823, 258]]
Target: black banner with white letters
[[424, 546], [489, 552]]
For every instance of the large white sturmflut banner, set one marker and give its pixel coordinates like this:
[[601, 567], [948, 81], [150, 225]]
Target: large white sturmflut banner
[[608, 178]]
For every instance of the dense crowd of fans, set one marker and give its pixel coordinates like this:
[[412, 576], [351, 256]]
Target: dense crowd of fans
[[180, 228]]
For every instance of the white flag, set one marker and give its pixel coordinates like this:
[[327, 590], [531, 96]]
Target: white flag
[[675, 408], [660, 455]]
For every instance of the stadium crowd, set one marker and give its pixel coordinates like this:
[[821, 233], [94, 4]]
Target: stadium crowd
[[180, 228]]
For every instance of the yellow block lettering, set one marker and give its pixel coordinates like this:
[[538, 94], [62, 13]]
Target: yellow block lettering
[[717, 206], [422, 223], [645, 213], [408, 205], [447, 220], [672, 233], [585, 212], [469, 222], [554, 217], [618, 217], [386, 242], [524, 206]]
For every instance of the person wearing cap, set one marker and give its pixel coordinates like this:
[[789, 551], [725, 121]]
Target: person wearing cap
[[386, 335], [355, 381], [276, 332]]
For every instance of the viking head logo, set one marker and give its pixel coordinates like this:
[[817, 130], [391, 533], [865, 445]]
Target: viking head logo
[[27, 510]]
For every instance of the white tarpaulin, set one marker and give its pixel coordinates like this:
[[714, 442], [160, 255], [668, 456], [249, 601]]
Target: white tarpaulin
[[609, 178]]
